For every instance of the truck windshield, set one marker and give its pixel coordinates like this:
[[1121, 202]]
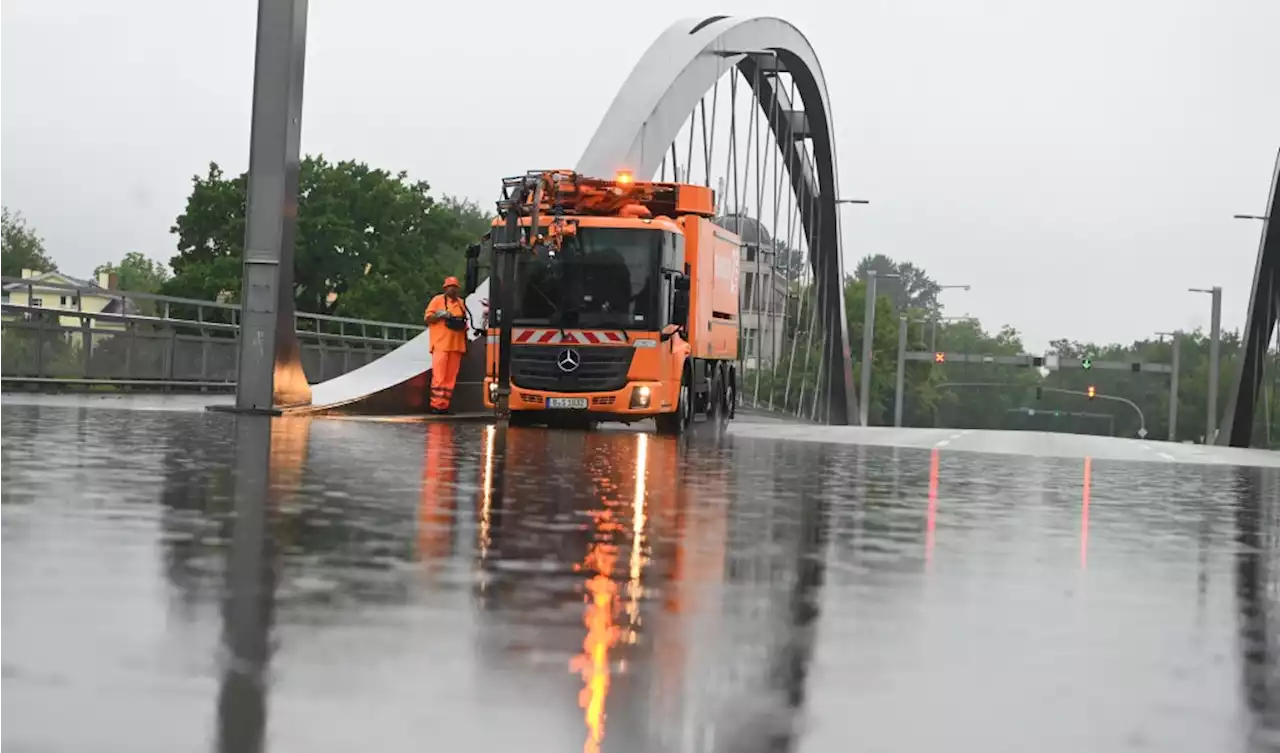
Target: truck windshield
[[602, 278]]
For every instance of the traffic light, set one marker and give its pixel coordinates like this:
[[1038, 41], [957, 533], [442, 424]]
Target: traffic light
[[1092, 392], [1086, 363], [939, 357], [1039, 392]]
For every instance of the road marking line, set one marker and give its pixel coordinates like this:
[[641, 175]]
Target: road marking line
[[943, 443], [1166, 456]]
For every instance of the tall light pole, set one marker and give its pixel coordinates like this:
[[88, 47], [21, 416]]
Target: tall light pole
[[933, 329], [1176, 340], [902, 368], [1215, 348], [868, 337]]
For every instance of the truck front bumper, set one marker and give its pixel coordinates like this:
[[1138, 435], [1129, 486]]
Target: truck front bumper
[[635, 401]]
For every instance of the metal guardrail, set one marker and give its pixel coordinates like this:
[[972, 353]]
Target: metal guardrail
[[157, 341]]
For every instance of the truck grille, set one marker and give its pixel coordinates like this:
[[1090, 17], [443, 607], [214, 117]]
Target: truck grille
[[600, 369]]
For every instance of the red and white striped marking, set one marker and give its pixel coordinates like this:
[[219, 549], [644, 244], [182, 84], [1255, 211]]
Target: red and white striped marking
[[570, 337]]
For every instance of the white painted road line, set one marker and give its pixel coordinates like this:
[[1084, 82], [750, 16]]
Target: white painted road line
[[943, 443]]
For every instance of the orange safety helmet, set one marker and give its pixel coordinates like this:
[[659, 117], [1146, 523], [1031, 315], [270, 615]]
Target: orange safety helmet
[[451, 282]]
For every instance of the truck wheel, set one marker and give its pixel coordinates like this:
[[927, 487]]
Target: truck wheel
[[674, 424], [724, 408], [731, 392]]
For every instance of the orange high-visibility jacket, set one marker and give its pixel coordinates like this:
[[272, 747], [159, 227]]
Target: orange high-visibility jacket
[[443, 338]]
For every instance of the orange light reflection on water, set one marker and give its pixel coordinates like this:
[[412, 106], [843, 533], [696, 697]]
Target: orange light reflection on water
[[602, 602], [931, 517], [486, 491]]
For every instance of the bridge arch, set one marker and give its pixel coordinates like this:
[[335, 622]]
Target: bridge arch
[[1261, 321], [671, 80]]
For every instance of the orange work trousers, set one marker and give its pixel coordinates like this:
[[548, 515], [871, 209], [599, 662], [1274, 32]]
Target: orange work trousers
[[444, 375]]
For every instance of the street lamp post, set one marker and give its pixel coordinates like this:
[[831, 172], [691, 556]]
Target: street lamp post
[[1215, 349], [868, 337], [1176, 342], [902, 368]]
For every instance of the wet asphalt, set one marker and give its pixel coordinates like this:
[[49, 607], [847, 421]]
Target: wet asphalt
[[409, 586]]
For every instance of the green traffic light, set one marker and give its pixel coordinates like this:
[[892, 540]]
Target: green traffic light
[[1087, 363]]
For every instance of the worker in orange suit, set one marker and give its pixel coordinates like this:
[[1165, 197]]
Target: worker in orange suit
[[446, 320]]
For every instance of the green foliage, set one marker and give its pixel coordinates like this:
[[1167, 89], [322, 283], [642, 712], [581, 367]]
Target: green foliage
[[20, 247], [903, 283], [370, 244], [136, 273], [991, 396]]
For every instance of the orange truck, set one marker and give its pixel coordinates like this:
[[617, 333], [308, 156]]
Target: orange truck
[[620, 305]]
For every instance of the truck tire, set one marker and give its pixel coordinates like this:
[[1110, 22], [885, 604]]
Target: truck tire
[[724, 408], [731, 392], [675, 423]]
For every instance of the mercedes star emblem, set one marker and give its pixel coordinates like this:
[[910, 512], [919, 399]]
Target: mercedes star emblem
[[568, 360]]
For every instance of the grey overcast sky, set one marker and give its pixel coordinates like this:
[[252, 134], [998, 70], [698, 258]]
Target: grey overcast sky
[[1077, 163]]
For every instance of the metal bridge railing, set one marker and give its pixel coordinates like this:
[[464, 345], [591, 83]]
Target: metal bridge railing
[[144, 339]]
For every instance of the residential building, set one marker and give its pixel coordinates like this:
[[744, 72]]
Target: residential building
[[48, 290], [762, 292]]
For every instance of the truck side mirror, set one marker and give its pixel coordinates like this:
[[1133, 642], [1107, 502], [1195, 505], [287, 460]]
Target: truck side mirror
[[473, 269], [680, 306]]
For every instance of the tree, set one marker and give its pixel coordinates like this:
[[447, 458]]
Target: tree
[[136, 273], [370, 244], [21, 247], [475, 221], [911, 288]]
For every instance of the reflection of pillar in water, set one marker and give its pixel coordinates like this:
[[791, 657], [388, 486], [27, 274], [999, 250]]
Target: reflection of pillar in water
[[685, 654], [436, 506], [269, 458], [1257, 574], [795, 653]]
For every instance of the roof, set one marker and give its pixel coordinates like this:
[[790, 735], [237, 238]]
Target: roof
[[752, 231], [57, 278]]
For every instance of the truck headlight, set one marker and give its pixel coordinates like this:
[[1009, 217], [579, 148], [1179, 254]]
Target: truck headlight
[[640, 397], [493, 391]]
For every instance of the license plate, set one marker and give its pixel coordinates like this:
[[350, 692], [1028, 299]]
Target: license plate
[[574, 403]]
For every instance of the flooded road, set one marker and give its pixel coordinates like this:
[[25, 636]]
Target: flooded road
[[412, 586]]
